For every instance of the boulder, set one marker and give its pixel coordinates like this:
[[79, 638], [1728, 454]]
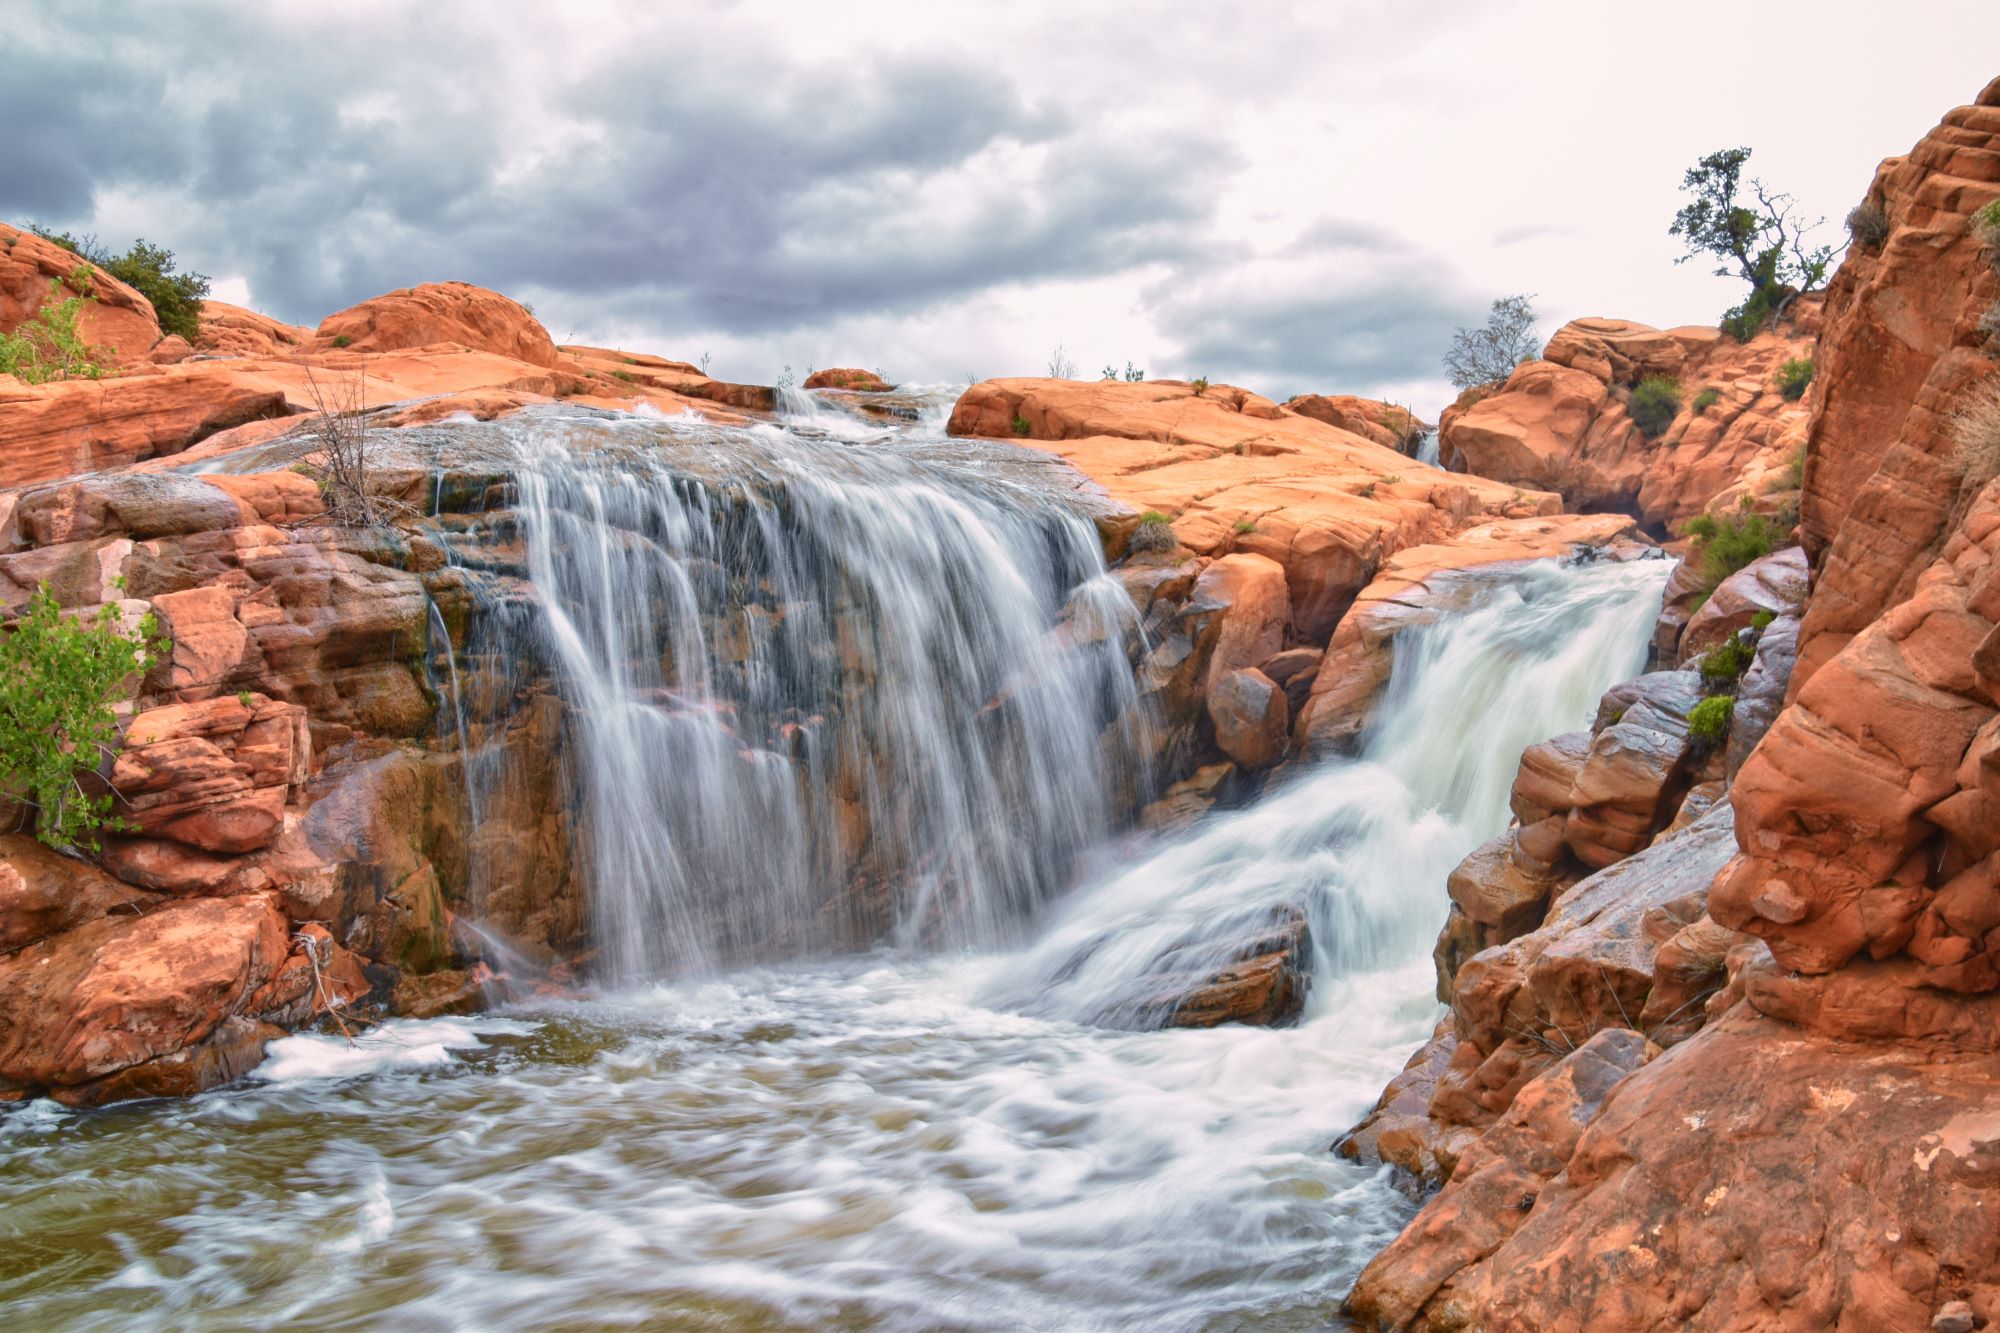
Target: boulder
[[215, 774], [44, 893], [231, 330], [439, 312], [1775, 586], [115, 317], [1250, 718], [1260, 979], [854, 381]]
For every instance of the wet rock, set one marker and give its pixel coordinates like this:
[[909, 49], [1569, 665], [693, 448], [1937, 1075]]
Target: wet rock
[[1774, 586], [1260, 979], [1250, 718], [1496, 1185], [214, 775], [121, 992]]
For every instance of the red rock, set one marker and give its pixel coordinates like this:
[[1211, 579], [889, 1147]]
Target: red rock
[[1561, 424], [1249, 713], [53, 430], [115, 317], [1387, 424], [231, 330], [44, 893], [1496, 1186], [1775, 585], [1413, 587], [170, 351], [124, 991], [1238, 474], [855, 381], [1243, 598], [440, 312], [215, 774]]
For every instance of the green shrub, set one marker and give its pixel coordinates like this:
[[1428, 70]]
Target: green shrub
[[1022, 425], [1708, 721], [1723, 665], [1795, 469], [1744, 322], [1793, 377], [1655, 403], [1868, 225], [341, 340], [1199, 384], [247, 699], [149, 270], [1761, 620], [1706, 399], [59, 676], [624, 375], [1244, 525], [50, 346], [1725, 545]]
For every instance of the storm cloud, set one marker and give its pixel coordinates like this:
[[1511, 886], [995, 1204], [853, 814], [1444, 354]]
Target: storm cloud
[[1312, 201]]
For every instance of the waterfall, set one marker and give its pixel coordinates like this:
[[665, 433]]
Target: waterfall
[[1363, 846], [819, 693]]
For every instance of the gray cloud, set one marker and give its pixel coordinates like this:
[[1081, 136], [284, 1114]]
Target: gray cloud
[[731, 190], [1344, 304]]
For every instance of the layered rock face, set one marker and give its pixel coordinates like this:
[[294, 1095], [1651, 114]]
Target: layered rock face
[[1744, 1076], [1564, 422]]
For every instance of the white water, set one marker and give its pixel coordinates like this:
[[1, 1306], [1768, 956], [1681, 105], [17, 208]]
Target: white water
[[876, 1142], [799, 667]]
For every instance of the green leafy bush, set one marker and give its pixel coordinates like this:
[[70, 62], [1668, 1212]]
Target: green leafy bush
[[1655, 403], [1725, 545], [341, 340], [149, 270], [1244, 525], [1723, 665], [1706, 399], [1022, 425], [59, 676], [1762, 620], [1794, 377], [50, 346], [1708, 721], [1199, 384]]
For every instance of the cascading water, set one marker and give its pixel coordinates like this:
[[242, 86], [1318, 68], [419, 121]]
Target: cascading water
[[802, 674], [1362, 846], [895, 1140]]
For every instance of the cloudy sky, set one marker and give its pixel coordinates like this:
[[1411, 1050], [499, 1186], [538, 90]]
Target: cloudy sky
[[1286, 196]]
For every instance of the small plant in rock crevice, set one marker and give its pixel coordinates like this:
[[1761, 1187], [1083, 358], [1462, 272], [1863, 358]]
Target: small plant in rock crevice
[[1975, 430], [1727, 543], [1985, 224], [1655, 403], [1868, 225], [1709, 720], [1723, 665], [1704, 400], [1245, 526], [1154, 533], [50, 346], [1794, 378], [1022, 426], [1199, 384]]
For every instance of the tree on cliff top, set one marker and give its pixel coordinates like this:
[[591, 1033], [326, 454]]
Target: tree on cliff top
[[149, 270], [1489, 355], [1764, 245]]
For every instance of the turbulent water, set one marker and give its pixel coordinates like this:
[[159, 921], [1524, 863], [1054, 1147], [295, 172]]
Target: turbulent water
[[904, 1139]]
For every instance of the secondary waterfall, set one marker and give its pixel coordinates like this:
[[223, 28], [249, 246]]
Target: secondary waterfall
[[1364, 845], [819, 693]]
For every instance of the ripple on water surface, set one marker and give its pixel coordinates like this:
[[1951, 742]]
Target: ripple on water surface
[[841, 1147]]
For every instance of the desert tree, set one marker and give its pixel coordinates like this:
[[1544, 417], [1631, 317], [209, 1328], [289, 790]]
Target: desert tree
[[1488, 355], [1755, 232]]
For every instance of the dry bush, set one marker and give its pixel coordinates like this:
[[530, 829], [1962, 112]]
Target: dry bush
[[340, 425], [1975, 430]]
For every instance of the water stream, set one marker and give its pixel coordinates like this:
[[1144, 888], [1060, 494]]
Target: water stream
[[924, 1135]]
